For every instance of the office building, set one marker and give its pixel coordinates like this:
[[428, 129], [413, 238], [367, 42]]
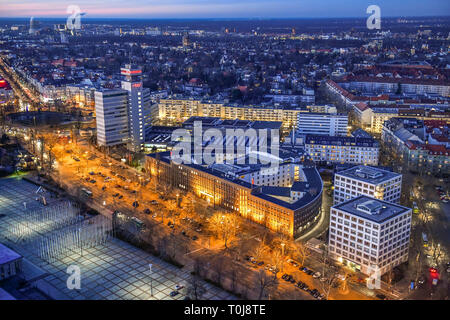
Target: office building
[[111, 108], [364, 180], [349, 150], [287, 200], [368, 234], [322, 123], [138, 106]]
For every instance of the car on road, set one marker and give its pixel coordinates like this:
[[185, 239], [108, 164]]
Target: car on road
[[381, 296], [92, 173], [304, 269], [194, 238], [147, 211], [260, 263], [103, 188], [92, 181], [135, 204], [154, 202], [116, 195], [309, 272], [121, 196]]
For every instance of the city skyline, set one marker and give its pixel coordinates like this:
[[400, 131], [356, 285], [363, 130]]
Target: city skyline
[[263, 9]]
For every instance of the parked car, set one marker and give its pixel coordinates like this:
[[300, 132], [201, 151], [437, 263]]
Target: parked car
[[174, 293], [147, 211], [317, 275]]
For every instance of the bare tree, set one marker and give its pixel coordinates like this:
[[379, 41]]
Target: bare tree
[[224, 225], [195, 289], [234, 276], [301, 252], [329, 273], [265, 283], [277, 260], [259, 250]]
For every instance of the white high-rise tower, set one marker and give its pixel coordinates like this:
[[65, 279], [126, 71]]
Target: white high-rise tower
[[138, 105]]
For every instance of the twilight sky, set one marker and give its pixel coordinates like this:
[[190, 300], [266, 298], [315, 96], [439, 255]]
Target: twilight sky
[[222, 9]]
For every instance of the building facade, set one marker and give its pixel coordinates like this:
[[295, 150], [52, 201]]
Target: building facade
[[176, 111], [138, 105], [111, 108], [288, 202], [343, 150], [369, 235], [322, 123], [364, 180], [423, 146]]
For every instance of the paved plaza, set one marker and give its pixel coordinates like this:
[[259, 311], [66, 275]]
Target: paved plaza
[[115, 270]]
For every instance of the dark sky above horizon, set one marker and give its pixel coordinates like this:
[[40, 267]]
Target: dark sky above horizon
[[222, 9]]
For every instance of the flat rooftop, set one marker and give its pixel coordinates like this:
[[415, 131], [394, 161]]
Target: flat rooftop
[[7, 255], [368, 174], [371, 209]]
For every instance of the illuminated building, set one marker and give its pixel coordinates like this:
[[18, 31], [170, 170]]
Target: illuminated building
[[176, 111], [138, 105], [288, 200], [363, 180], [322, 123], [368, 234], [111, 116], [348, 150], [421, 145]]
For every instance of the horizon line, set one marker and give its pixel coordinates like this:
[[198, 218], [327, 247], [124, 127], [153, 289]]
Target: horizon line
[[224, 18]]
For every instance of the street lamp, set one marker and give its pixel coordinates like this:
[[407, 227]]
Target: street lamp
[[151, 279]]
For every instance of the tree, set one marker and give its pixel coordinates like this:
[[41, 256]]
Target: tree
[[259, 250], [301, 252], [224, 225], [195, 289], [277, 260], [265, 283], [329, 272]]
